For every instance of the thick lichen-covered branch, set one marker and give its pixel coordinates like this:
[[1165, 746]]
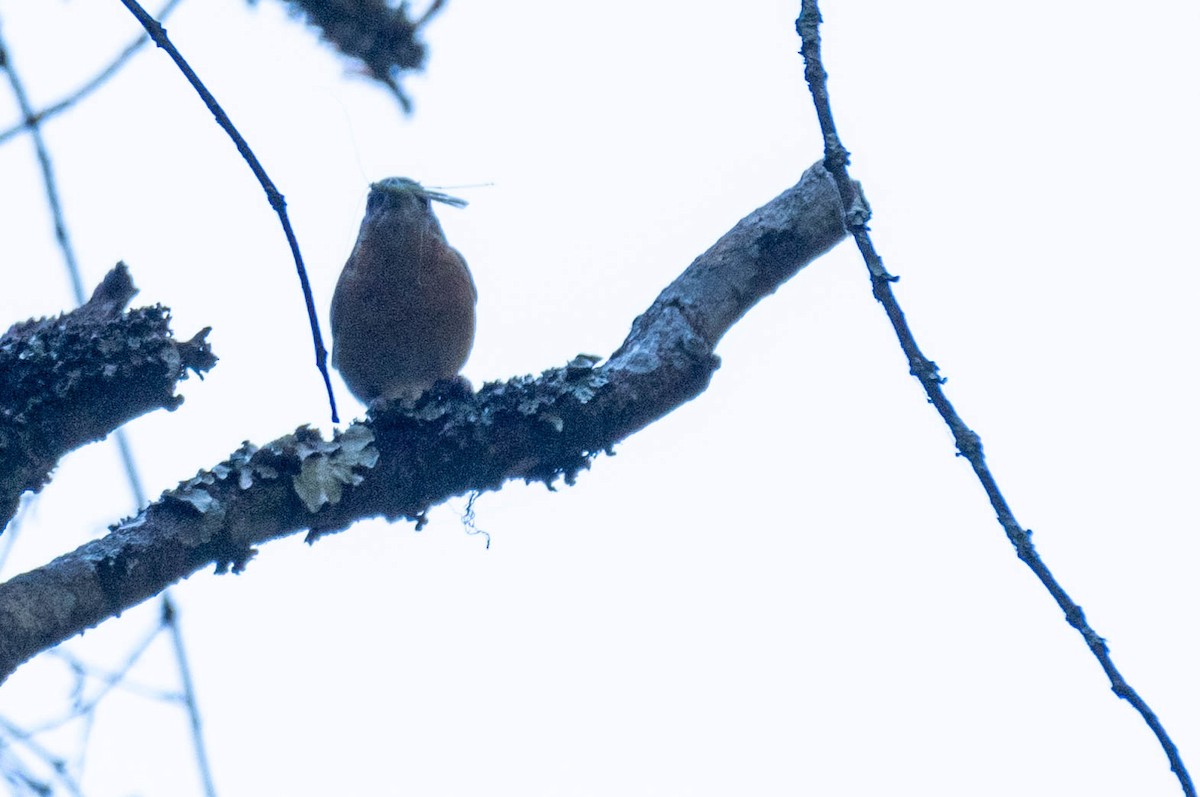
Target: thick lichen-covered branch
[[409, 455], [72, 379]]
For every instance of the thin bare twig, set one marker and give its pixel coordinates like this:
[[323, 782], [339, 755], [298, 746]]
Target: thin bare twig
[[83, 709], [434, 7], [968, 442], [278, 204], [58, 767], [84, 704], [171, 621], [47, 168], [101, 77]]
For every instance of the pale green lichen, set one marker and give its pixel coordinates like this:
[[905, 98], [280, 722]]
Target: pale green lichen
[[327, 467], [201, 500]]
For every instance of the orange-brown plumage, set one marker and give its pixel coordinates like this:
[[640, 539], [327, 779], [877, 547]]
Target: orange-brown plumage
[[403, 312]]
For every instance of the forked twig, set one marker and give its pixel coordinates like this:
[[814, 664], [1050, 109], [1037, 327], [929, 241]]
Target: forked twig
[[100, 78]]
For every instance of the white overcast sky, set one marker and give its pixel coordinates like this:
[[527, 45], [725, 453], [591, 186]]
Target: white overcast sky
[[789, 586]]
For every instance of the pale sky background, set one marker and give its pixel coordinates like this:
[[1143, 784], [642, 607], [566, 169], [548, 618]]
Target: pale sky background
[[790, 585]]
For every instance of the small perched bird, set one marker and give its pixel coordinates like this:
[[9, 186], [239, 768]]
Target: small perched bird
[[403, 312]]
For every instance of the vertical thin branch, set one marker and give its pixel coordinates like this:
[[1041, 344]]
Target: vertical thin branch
[[968, 442], [276, 200], [170, 619], [47, 168]]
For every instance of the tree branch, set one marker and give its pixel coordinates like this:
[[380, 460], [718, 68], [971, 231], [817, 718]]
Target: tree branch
[[411, 454], [70, 380], [378, 34]]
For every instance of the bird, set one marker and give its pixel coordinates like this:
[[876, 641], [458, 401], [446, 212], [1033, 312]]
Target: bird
[[403, 311]]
